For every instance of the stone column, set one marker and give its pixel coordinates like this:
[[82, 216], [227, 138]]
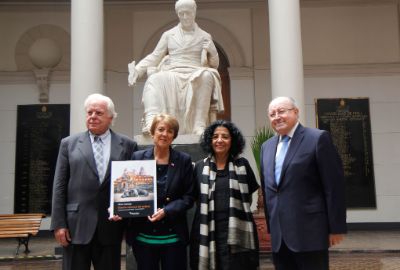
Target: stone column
[[286, 51], [87, 56]]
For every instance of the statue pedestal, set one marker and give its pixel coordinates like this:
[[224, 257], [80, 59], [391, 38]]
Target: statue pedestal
[[183, 143], [264, 237], [144, 140]]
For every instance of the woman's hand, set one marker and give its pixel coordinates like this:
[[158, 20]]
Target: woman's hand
[[157, 216]]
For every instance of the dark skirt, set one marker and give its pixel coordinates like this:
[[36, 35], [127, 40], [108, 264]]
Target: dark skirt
[[225, 259]]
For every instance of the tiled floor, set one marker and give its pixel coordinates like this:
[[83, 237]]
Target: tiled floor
[[370, 241], [361, 250]]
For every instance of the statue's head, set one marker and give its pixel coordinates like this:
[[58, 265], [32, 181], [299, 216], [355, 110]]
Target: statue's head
[[186, 11], [191, 4]]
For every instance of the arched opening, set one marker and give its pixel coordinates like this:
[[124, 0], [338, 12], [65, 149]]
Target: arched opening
[[225, 83]]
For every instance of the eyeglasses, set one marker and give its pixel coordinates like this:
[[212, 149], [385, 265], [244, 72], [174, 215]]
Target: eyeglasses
[[279, 112]]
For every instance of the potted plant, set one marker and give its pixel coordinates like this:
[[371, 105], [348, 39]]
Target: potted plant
[[260, 137]]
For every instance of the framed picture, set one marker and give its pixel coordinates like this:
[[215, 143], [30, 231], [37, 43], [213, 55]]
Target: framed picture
[[133, 188]]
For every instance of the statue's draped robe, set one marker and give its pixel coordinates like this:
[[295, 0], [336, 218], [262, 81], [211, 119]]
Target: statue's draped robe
[[173, 87]]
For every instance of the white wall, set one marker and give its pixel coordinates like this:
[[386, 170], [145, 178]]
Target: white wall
[[20, 88], [14, 24], [353, 51], [384, 97], [350, 34], [12, 95]]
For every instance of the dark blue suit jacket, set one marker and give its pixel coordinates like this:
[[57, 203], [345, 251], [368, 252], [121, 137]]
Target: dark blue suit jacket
[[179, 194], [309, 203]]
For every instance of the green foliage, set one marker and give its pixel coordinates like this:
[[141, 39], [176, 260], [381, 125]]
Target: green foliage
[[261, 136]]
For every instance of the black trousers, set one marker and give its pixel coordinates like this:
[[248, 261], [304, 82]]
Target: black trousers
[[285, 259], [103, 257], [226, 260], [151, 257]]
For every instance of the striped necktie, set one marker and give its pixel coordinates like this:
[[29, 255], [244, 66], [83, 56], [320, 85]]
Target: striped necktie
[[280, 157], [98, 156]]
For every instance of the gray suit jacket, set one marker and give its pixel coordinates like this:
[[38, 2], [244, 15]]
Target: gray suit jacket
[[80, 202]]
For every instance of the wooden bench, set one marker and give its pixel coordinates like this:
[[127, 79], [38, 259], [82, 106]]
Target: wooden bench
[[21, 227]]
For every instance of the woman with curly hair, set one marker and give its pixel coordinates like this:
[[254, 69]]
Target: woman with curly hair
[[224, 234]]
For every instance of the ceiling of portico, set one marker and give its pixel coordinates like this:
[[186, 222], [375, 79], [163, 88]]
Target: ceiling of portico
[[20, 2]]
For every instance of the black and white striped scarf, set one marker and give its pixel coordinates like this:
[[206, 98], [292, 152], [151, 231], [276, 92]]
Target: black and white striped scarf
[[241, 230]]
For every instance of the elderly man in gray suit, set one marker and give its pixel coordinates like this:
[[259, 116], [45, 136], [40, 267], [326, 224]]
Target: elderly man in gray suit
[[81, 191]]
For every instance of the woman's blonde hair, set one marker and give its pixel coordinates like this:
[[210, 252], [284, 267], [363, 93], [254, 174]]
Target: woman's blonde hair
[[170, 120]]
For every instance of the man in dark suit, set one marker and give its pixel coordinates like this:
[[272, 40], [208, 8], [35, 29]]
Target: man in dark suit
[[303, 186], [81, 191]]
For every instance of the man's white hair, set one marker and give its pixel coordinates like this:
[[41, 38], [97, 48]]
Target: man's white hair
[[93, 98], [290, 99]]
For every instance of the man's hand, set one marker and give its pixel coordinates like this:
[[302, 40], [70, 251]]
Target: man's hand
[[62, 236], [115, 218], [335, 239]]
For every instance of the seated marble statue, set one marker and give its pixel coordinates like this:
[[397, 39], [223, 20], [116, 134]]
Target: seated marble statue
[[182, 75]]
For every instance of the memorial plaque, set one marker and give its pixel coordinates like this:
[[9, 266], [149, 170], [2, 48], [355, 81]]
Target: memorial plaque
[[348, 121], [40, 129]]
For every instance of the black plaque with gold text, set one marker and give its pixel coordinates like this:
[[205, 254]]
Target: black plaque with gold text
[[40, 129], [348, 121]]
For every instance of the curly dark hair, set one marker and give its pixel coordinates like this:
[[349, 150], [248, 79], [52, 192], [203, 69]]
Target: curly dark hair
[[238, 142]]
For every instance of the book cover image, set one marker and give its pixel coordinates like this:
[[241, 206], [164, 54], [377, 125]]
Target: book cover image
[[133, 188]]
